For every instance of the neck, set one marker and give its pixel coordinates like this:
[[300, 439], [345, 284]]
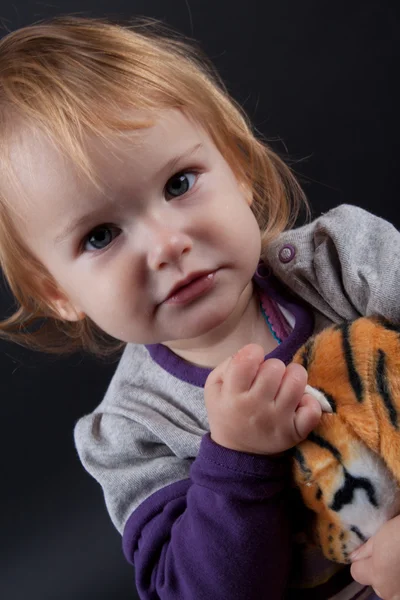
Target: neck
[[244, 325]]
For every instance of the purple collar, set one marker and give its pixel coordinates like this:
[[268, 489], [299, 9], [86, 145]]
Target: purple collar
[[303, 328]]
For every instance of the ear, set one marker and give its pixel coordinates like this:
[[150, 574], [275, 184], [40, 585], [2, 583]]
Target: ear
[[60, 304], [66, 311], [322, 399]]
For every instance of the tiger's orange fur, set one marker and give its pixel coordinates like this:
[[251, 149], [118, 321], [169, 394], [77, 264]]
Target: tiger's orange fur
[[348, 469]]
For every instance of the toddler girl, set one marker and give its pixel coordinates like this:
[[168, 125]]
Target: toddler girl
[[138, 210]]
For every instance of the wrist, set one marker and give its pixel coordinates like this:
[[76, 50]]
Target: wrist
[[239, 459]]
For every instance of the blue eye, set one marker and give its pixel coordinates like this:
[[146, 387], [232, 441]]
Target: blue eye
[[100, 237], [180, 183]]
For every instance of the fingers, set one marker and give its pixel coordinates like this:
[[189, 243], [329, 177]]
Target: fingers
[[362, 567], [300, 410], [216, 377], [307, 416], [243, 367], [238, 372], [362, 571], [292, 388], [296, 413], [364, 551], [259, 406], [269, 378]]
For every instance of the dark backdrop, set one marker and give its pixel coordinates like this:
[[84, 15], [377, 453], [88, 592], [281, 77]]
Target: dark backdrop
[[319, 80]]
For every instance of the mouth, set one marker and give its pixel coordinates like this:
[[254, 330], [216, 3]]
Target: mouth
[[190, 288]]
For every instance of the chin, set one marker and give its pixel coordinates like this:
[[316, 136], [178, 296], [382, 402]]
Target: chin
[[203, 324]]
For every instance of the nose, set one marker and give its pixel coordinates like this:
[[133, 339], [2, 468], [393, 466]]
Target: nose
[[167, 245]]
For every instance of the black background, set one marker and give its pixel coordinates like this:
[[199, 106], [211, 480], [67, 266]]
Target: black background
[[320, 80]]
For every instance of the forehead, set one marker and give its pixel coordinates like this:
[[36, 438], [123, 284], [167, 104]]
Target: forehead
[[45, 178]]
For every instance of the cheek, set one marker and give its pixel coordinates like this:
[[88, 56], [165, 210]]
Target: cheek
[[111, 288], [94, 290], [232, 226], [117, 313], [242, 224], [224, 203]]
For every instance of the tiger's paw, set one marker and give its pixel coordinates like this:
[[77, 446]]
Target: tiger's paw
[[337, 544]]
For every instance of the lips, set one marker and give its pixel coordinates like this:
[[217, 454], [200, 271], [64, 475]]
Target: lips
[[193, 286]]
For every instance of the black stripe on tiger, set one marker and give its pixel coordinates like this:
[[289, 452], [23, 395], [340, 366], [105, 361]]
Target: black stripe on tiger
[[382, 381], [299, 457], [358, 533], [354, 378], [323, 443], [345, 494], [389, 325], [306, 353]]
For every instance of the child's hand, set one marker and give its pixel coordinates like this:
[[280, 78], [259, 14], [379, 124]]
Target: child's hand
[[377, 563], [258, 406]]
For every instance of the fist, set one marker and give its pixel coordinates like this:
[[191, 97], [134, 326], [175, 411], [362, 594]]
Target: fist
[[257, 406]]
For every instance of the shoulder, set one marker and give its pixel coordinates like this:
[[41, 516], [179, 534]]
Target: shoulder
[[345, 263], [140, 382], [347, 225], [144, 409], [144, 434]]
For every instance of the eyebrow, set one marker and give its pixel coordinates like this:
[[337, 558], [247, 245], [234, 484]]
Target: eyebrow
[[169, 166], [70, 228]]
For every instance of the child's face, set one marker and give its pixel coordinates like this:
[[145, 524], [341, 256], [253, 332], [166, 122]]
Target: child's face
[[119, 254]]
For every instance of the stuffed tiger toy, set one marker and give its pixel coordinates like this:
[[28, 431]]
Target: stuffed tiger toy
[[348, 468]]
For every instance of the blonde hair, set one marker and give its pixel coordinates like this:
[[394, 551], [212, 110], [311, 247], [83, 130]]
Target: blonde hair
[[73, 76]]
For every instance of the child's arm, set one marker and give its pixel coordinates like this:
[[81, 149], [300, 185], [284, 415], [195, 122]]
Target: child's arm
[[227, 534], [377, 563], [223, 532]]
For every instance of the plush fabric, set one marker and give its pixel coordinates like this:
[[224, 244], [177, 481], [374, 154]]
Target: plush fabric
[[348, 469]]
